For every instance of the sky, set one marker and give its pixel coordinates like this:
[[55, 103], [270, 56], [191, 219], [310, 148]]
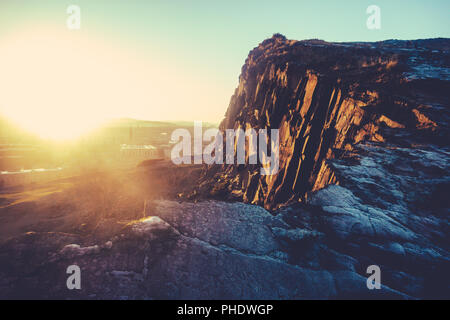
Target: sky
[[165, 60]]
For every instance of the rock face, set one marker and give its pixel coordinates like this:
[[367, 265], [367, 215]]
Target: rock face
[[325, 98]]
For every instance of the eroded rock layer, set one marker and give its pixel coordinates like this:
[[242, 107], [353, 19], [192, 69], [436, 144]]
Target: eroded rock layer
[[325, 98]]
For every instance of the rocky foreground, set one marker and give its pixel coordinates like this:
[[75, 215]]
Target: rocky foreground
[[218, 250], [364, 180]]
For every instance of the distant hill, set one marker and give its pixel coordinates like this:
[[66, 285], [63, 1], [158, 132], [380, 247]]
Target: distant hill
[[12, 133], [127, 122]]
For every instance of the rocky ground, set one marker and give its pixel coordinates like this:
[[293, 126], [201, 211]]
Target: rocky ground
[[219, 250], [208, 250]]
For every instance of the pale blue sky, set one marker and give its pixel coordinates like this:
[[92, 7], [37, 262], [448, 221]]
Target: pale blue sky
[[211, 38]]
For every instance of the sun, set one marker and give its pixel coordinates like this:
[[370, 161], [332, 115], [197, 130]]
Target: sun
[[58, 128], [61, 85]]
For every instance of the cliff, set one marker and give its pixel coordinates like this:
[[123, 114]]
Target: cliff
[[325, 99]]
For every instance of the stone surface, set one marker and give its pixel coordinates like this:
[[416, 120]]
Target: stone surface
[[208, 250]]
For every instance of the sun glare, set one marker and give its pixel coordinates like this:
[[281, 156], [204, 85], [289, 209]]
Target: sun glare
[[61, 85]]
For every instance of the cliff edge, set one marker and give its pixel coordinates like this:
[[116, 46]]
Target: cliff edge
[[326, 99]]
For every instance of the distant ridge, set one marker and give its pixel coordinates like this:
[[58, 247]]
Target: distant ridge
[[126, 122]]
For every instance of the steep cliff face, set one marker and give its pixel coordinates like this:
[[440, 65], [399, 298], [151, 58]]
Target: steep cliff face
[[324, 98]]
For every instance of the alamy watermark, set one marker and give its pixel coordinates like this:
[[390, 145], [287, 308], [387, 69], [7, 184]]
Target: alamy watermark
[[374, 281], [374, 20], [74, 280], [258, 144], [74, 19]]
